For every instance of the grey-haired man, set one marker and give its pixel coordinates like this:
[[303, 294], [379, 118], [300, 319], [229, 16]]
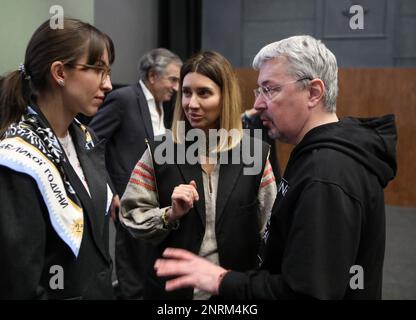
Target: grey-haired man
[[326, 235]]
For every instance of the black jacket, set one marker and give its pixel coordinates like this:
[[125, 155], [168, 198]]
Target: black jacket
[[236, 221], [30, 247], [328, 217], [123, 123]]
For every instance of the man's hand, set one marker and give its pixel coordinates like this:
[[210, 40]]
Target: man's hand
[[251, 112], [191, 271], [183, 198]]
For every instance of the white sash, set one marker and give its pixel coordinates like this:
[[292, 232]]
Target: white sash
[[67, 217]]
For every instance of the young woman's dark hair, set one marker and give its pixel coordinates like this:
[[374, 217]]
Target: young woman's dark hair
[[46, 46]]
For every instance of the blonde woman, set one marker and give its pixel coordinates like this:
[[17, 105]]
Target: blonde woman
[[212, 207]]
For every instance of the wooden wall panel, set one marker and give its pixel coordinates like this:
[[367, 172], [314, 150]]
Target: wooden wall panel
[[370, 92]]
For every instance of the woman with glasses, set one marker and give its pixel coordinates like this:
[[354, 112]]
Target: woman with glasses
[[213, 208], [54, 194]]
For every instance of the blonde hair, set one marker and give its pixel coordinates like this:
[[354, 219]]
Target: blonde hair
[[215, 67]]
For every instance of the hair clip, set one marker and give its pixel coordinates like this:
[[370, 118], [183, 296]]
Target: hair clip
[[22, 71]]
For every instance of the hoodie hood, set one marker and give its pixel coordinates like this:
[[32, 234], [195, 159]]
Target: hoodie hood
[[370, 141]]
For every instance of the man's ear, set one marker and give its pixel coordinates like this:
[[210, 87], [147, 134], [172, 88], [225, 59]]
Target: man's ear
[[316, 92], [58, 73], [152, 76]]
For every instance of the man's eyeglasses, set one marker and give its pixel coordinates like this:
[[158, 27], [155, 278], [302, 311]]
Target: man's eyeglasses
[[104, 71], [268, 91]]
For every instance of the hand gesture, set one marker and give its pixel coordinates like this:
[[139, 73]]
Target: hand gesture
[[183, 198], [189, 270]]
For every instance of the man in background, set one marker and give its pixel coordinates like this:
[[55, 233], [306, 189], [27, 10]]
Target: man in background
[[128, 116]]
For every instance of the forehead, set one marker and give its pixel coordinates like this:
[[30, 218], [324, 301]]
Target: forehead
[[172, 69], [273, 71], [194, 79], [103, 58]]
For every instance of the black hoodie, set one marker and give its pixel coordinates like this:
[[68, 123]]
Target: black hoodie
[[326, 237]]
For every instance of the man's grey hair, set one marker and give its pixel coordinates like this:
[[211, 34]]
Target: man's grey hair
[[156, 60], [307, 57]]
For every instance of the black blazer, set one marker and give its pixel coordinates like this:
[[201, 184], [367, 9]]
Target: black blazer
[[30, 246], [236, 221], [124, 122]]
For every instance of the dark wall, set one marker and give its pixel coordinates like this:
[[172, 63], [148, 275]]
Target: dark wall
[[180, 26], [240, 28], [133, 26]]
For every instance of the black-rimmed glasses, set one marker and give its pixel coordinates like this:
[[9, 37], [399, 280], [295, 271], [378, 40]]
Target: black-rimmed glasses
[[103, 70]]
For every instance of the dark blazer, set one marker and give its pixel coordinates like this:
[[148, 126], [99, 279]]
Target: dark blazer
[[30, 246], [124, 122], [236, 221]]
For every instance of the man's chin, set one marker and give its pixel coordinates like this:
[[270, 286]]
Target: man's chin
[[274, 134], [168, 97]]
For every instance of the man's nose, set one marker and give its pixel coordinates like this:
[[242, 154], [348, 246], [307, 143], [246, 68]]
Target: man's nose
[[259, 104]]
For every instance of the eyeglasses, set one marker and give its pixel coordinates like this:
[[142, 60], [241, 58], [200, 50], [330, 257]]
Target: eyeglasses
[[267, 92], [104, 71]]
